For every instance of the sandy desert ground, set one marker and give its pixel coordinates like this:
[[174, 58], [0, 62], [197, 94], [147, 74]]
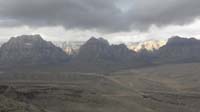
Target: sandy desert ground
[[166, 88]]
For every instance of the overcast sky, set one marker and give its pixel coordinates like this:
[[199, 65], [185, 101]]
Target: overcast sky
[[115, 20]]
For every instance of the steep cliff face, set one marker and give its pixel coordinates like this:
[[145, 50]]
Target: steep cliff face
[[98, 55], [100, 50], [94, 49], [180, 49], [30, 49]]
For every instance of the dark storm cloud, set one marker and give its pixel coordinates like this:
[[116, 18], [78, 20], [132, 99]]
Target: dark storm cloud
[[101, 15], [164, 12]]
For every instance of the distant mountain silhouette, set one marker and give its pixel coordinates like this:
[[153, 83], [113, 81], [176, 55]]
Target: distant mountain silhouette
[[100, 50], [30, 49], [149, 45], [94, 49], [70, 47], [179, 50], [97, 53]]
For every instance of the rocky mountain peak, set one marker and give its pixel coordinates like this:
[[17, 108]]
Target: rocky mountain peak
[[94, 48], [180, 49], [97, 41], [30, 49], [177, 40], [100, 49], [26, 38]]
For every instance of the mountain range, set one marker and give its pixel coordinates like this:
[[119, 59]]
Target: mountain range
[[98, 53], [72, 47]]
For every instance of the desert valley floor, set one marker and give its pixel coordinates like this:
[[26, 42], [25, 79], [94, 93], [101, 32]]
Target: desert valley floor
[[166, 88]]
